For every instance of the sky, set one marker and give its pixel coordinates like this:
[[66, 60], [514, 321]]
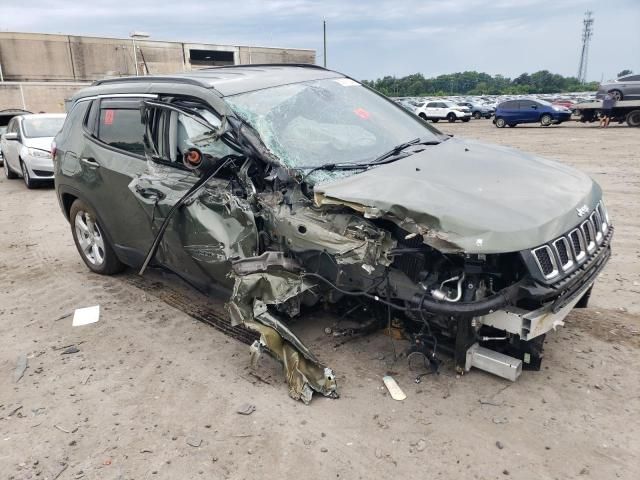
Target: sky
[[372, 38]]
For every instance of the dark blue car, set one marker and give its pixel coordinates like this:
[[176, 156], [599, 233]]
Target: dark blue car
[[514, 112]]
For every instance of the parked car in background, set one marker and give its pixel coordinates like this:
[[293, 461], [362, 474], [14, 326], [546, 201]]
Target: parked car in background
[[442, 110], [478, 110], [26, 147], [568, 104], [513, 112], [5, 118], [623, 88]]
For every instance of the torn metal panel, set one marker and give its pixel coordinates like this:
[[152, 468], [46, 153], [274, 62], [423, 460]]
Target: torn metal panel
[[248, 306], [213, 226], [347, 237]]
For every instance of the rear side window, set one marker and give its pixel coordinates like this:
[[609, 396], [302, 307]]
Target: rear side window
[[631, 78], [432, 105], [512, 105], [120, 126]]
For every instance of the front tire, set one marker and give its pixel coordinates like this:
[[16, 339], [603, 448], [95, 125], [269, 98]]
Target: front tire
[[29, 183], [90, 240], [500, 122], [451, 117], [546, 120]]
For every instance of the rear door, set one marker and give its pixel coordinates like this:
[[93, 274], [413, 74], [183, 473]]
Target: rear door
[[432, 109], [109, 160], [509, 111]]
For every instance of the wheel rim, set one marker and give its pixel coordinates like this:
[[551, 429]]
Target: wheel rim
[[452, 118], [617, 95], [546, 120], [500, 122], [477, 115], [89, 238], [25, 174]]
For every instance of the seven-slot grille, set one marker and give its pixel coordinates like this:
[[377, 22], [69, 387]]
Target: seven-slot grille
[[572, 249]]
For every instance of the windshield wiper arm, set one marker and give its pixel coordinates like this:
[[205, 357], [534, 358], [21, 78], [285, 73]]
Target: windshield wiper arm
[[334, 166], [399, 148]]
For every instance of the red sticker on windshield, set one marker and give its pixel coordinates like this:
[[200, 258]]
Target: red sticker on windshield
[[108, 116], [362, 113]]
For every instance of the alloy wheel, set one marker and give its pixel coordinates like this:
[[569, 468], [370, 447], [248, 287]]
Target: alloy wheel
[[90, 238]]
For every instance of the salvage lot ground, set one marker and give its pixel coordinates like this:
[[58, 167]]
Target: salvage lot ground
[[152, 393]]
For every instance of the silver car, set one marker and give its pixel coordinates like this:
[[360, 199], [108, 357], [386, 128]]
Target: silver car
[[624, 88], [26, 147]]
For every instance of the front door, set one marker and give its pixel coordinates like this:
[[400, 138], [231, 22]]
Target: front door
[[217, 223]]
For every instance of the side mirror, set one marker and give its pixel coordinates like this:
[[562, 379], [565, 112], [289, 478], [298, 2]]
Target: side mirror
[[535, 107], [11, 136]]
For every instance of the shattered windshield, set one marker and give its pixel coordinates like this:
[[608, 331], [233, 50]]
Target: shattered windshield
[[327, 121]]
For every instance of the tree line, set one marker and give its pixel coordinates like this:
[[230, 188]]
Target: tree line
[[478, 83]]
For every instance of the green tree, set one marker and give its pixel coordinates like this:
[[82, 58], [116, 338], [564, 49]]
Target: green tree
[[624, 72]]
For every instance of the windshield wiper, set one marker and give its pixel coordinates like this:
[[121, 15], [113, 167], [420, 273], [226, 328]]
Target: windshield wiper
[[395, 151], [399, 148], [334, 166]]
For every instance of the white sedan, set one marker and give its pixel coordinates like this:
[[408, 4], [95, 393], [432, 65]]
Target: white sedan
[[26, 147]]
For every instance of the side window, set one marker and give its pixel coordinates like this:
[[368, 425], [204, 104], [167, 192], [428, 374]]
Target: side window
[[11, 126], [193, 134], [431, 105], [528, 105], [631, 78], [120, 126]]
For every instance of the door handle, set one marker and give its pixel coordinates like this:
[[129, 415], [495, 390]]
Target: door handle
[[90, 161]]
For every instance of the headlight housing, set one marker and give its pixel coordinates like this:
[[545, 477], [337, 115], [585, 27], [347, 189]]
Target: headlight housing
[[37, 153]]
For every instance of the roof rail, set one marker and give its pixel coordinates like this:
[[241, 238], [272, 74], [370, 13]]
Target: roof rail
[[303, 65], [151, 78]]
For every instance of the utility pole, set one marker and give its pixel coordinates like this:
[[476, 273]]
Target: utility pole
[[324, 43], [587, 33]]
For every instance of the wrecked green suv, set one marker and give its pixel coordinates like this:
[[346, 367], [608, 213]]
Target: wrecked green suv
[[295, 187]]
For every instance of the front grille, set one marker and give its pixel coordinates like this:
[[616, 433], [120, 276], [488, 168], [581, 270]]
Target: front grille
[[565, 253], [43, 173], [546, 262]]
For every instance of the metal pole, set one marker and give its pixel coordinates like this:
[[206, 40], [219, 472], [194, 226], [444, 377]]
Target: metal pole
[[24, 104], [324, 35], [135, 55]]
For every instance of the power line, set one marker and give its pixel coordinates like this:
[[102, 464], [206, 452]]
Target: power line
[[587, 33]]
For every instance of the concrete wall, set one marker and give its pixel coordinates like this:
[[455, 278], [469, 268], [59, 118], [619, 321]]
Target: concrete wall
[[27, 57], [37, 96], [40, 70]]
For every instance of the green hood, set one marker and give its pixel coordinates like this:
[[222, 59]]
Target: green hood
[[477, 198]]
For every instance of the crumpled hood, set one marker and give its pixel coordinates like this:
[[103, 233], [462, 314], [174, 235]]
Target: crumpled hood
[[472, 197]]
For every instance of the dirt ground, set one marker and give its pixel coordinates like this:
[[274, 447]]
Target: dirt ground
[[154, 393]]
